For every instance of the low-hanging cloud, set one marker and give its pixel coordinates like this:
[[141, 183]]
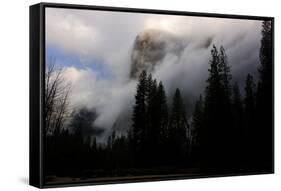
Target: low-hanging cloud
[[177, 53]]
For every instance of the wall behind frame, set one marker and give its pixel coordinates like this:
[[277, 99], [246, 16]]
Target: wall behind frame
[[14, 96]]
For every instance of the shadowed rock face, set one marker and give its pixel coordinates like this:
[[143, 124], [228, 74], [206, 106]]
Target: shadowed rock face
[[150, 48]]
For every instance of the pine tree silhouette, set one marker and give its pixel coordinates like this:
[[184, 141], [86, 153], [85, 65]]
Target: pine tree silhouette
[[250, 119], [239, 147], [139, 119], [264, 126], [152, 134], [224, 69], [161, 122], [197, 126], [216, 137], [211, 134], [177, 129]]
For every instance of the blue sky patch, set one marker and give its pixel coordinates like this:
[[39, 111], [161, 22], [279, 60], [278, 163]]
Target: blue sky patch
[[68, 60]]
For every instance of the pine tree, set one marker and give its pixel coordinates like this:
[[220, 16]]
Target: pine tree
[[249, 100], [177, 129], [250, 115], [227, 113], [266, 59], [157, 116], [152, 134], [197, 125], [226, 77], [215, 86], [239, 151], [264, 126], [151, 105], [162, 112], [209, 136], [151, 90], [224, 69], [238, 110], [216, 137], [139, 118], [197, 118]]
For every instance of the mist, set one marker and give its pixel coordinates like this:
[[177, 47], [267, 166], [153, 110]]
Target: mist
[[112, 48]]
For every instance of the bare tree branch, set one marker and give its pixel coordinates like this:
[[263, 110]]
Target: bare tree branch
[[57, 92]]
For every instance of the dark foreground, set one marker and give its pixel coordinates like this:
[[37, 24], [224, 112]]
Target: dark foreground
[[137, 175]]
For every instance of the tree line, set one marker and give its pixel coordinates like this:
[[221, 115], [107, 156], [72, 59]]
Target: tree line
[[231, 130], [158, 136], [228, 129]]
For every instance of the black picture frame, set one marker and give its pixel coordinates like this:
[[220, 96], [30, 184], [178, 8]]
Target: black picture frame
[[37, 76]]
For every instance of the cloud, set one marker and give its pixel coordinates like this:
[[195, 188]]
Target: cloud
[[177, 53], [107, 98], [192, 38], [93, 35]]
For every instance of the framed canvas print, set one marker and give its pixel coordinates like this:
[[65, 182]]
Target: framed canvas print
[[125, 95]]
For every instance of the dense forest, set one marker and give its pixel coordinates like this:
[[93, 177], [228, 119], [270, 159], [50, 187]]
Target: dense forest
[[229, 131]]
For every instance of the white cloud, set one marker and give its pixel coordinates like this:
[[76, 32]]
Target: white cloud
[[109, 37], [93, 35], [107, 97]]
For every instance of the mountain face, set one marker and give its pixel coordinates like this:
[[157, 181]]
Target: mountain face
[[150, 48]]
